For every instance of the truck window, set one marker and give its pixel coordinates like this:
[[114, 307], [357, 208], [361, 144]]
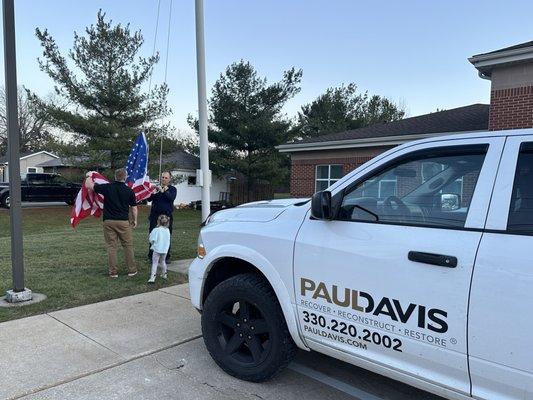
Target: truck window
[[428, 188], [521, 210], [56, 180], [37, 179]]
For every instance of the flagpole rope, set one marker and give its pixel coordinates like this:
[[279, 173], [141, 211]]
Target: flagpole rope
[[168, 38], [155, 42], [165, 80]]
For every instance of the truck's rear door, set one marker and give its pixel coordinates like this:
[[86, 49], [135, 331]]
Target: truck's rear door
[[500, 324]]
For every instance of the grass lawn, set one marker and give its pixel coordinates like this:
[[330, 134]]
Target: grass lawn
[[70, 265]]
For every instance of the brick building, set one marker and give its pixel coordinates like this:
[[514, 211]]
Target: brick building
[[318, 162]]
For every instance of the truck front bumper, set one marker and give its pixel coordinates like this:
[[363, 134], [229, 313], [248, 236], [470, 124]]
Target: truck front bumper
[[196, 282]]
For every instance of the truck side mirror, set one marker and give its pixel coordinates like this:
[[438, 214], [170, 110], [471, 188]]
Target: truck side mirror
[[321, 205]]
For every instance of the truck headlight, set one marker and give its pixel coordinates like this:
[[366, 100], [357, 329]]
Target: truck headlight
[[201, 252]]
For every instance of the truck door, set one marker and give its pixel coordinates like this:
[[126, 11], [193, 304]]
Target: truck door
[[501, 302], [387, 281]]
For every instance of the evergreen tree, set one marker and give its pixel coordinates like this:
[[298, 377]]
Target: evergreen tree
[[343, 108], [102, 77], [246, 123]]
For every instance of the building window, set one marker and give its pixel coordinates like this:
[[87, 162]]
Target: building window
[[191, 180], [382, 188], [32, 170], [326, 175]]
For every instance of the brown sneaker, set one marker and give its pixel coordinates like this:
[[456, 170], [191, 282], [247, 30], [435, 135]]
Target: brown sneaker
[[132, 274]]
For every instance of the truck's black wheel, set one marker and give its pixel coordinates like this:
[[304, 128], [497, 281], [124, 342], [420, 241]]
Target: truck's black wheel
[[5, 201], [244, 329]]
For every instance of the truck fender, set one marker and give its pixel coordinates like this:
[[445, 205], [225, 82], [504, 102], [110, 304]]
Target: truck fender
[[267, 269]]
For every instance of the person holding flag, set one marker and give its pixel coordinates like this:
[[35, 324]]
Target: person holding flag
[[162, 204], [118, 199]]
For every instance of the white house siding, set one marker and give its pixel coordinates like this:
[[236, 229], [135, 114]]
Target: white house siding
[[28, 162], [188, 193]]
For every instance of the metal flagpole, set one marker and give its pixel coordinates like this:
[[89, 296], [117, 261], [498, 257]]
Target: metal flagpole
[[10, 65], [202, 111]]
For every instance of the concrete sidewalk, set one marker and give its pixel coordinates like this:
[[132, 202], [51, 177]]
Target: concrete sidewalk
[[48, 350], [146, 346], [149, 346]]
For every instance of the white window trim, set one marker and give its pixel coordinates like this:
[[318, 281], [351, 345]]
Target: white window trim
[[329, 180], [31, 172], [381, 182]]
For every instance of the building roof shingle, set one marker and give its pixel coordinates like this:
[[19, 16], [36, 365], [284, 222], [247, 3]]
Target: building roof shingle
[[515, 47], [474, 117], [182, 160], [56, 162]]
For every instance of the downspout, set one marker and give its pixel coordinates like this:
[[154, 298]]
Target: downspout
[[483, 76]]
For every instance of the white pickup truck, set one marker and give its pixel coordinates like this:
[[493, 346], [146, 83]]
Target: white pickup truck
[[418, 265]]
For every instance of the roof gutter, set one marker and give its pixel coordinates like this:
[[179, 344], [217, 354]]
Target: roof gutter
[[358, 143], [484, 63]]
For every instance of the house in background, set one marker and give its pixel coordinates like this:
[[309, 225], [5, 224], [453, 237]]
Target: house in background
[[183, 167], [29, 162], [71, 168], [318, 162]]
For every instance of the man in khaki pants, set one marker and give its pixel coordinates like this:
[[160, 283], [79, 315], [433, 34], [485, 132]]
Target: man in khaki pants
[[118, 198]]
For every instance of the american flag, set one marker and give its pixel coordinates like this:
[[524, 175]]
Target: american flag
[[91, 203], [88, 202], [137, 167]]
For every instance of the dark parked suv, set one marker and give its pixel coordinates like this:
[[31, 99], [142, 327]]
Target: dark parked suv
[[42, 188]]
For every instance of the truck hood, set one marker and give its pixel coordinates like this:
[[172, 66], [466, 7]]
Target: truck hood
[[258, 211]]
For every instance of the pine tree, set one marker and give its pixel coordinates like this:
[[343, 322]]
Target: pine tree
[[343, 108], [103, 79], [246, 123]]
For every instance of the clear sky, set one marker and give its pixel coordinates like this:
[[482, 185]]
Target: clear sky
[[413, 51]]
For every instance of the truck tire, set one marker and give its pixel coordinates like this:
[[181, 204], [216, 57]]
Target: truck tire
[[5, 201], [244, 329]]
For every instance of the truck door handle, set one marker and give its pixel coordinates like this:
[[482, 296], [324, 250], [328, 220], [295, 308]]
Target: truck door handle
[[433, 259]]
